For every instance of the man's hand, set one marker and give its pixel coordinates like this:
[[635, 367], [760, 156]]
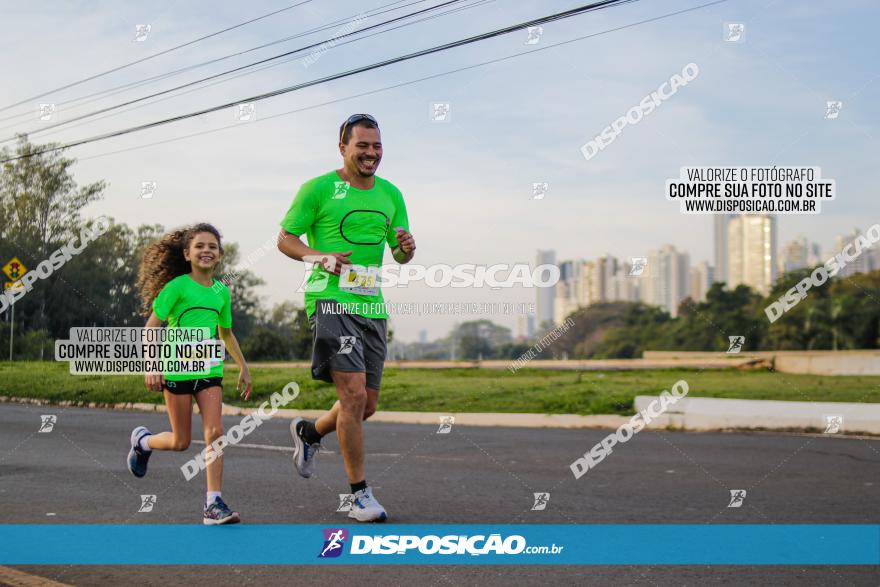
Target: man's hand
[[333, 262], [405, 240]]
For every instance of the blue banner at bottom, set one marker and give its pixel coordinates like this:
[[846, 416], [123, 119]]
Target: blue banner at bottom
[[453, 544]]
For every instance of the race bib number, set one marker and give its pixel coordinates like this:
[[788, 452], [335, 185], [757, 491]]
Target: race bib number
[[360, 280]]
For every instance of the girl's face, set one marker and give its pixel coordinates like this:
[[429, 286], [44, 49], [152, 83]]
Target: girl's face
[[203, 251]]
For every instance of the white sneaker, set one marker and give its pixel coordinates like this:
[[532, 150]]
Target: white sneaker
[[365, 507], [303, 453]]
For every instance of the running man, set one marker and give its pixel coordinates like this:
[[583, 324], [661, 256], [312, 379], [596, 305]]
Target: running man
[[348, 215]]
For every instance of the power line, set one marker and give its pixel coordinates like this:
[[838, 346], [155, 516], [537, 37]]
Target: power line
[[121, 88], [154, 55], [236, 69], [282, 62], [410, 82], [439, 48]]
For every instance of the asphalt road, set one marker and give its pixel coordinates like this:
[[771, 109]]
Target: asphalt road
[[77, 474]]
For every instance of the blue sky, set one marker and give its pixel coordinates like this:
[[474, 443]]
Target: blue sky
[[468, 182]]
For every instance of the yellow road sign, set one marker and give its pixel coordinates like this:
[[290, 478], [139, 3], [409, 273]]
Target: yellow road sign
[[14, 269]]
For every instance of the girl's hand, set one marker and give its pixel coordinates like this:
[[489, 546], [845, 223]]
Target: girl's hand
[[244, 381], [155, 381]]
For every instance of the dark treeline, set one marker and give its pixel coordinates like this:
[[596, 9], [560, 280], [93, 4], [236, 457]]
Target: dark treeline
[[843, 314]]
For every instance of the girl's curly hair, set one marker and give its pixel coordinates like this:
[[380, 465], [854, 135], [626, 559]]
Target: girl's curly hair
[[163, 261]]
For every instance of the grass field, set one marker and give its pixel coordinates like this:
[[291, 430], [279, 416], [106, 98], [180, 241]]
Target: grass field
[[461, 390]]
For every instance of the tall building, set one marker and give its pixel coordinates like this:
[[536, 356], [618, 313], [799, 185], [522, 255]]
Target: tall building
[[720, 238], [565, 303], [603, 270], [667, 279], [861, 264], [521, 327], [584, 283], [623, 286], [702, 276], [751, 246], [586, 288], [814, 255], [573, 289], [546, 296], [798, 254], [565, 270]]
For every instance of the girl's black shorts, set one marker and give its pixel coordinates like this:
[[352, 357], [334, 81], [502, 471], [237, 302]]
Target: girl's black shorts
[[192, 386]]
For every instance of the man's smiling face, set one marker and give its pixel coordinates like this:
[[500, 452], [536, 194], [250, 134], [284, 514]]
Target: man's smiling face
[[363, 152]]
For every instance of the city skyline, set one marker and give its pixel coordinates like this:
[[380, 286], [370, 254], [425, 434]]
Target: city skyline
[[668, 277], [745, 244]]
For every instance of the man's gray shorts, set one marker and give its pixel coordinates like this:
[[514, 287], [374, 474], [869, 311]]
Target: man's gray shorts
[[346, 342]]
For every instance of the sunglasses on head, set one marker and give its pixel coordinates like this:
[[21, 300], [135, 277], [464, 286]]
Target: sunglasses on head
[[354, 119]]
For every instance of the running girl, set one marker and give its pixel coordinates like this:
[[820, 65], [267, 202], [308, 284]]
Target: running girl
[[176, 285]]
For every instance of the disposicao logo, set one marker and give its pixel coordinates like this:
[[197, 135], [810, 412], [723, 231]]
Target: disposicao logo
[[334, 542]]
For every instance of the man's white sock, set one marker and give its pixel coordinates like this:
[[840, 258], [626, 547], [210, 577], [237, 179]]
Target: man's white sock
[[211, 495]]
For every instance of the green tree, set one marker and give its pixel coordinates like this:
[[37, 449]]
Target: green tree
[[627, 330], [43, 209], [246, 305], [707, 325], [41, 206], [281, 334], [478, 339]]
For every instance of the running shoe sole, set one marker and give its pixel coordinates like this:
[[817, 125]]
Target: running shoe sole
[[299, 448], [382, 517], [136, 434], [233, 519]]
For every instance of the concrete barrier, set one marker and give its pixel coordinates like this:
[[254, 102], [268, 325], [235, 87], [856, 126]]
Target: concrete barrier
[[703, 413], [696, 355], [829, 363], [858, 362]]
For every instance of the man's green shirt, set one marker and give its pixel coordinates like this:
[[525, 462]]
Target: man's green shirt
[[337, 217]]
